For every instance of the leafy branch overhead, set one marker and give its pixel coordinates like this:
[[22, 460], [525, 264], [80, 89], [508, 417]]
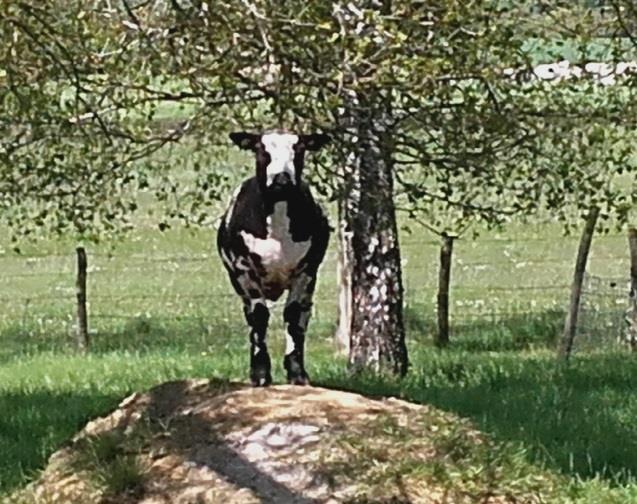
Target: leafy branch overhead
[[93, 93]]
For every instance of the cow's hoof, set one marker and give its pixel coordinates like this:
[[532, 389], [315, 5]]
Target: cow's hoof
[[302, 379], [295, 370], [261, 379]]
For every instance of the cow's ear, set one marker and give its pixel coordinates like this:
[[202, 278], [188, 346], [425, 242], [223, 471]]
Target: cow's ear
[[314, 142], [247, 141]]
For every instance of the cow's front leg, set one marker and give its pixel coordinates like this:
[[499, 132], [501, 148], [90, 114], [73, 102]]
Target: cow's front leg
[[258, 315], [296, 315]]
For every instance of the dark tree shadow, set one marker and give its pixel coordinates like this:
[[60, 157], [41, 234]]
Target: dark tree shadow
[[578, 419], [235, 469], [216, 455], [138, 334], [41, 423], [34, 424], [515, 332]]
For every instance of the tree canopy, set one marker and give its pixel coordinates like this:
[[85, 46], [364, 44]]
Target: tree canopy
[[438, 108]]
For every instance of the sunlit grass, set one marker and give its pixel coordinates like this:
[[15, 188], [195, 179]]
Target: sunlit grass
[[161, 308], [574, 420]]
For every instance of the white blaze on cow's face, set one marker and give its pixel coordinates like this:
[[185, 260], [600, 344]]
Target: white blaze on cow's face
[[279, 156], [280, 147]]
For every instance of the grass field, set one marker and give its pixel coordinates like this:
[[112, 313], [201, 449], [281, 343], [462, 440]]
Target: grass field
[[161, 308]]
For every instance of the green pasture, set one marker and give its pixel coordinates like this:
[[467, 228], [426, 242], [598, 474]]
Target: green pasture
[[161, 308], [173, 280]]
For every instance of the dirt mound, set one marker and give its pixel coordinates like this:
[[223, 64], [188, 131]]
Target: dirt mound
[[214, 441]]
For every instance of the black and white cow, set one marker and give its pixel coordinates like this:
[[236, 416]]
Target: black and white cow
[[273, 238]]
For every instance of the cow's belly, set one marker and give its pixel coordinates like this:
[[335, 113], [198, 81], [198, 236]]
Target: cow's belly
[[279, 258]]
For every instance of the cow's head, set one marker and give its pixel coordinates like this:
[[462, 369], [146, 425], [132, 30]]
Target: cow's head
[[279, 157]]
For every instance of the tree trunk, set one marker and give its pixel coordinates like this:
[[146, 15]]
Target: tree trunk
[[632, 312], [444, 278], [80, 288], [344, 280], [570, 325], [377, 339]]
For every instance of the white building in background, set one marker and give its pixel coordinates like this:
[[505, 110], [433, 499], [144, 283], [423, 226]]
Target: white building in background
[[605, 73]]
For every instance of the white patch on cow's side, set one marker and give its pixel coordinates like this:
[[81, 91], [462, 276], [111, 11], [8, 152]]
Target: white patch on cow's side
[[280, 146], [279, 254], [289, 344], [233, 200]]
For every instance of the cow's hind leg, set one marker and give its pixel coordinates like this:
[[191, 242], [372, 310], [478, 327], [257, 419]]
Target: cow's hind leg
[[297, 315]]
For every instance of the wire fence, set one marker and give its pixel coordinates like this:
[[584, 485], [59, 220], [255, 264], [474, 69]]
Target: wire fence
[[605, 312], [493, 280]]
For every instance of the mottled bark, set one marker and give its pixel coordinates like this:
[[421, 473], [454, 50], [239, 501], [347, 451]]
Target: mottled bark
[[444, 280], [632, 311], [570, 325], [344, 281], [377, 339]]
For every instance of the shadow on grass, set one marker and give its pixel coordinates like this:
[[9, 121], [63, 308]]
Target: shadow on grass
[[148, 333], [138, 334], [516, 332], [33, 424], [199, 333], [579, 419]]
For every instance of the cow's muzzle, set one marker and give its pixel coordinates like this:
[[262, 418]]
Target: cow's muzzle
[[281, 181]]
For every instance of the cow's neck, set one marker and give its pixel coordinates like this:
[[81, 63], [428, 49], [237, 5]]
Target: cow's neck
[[292, 203]]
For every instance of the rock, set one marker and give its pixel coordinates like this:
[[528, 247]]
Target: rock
[[220, 442]]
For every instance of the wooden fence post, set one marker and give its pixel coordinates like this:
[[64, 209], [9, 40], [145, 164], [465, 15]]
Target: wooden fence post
[[80, 290], [632, 313], [444, 279], [570, 325]]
